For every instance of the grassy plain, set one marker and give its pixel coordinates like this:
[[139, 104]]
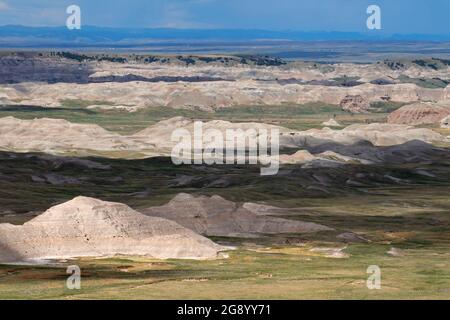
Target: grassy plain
[[268, 269], [300, 117]]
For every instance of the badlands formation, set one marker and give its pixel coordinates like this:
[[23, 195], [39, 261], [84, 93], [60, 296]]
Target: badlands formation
[[55, 136], [331, 123], [216, 216], [213, 82], [355, 104], [211, 95], [60, 136], [86, 227], [420, 113], [379, 134]]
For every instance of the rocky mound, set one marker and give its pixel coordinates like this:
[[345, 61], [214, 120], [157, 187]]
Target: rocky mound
[[216, 216], [355, 104], [86, 227], [419, 113], [326, 158], [59, 136], [378, 134], [331, 123], [381, 134], [160, 133], [365, 153], [301, 156]]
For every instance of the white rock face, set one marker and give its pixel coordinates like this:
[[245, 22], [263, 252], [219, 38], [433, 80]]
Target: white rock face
[[35, 68], [386, 134], [206, 85], [216, 216], [56, 136], [160, 134], [327, 158], [334, 156], [301, 156], [331, 123], [59, 136], [212, 95], [379, 134], [87, 227], [108, 107]]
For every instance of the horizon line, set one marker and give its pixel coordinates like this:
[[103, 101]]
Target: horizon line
[[378, 32]]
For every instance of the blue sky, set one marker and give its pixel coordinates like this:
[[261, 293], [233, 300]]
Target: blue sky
[[398, 16]]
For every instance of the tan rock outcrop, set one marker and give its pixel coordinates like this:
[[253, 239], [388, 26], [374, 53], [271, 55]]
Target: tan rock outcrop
[[87, 227], [56, 136], [331, 123], [216, 216], [355, 104], [419, 113], [214, 95], [60, 136], [379, 134], [301, 156]]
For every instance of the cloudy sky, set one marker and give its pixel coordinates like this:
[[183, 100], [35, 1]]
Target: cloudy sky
[[398, 16]]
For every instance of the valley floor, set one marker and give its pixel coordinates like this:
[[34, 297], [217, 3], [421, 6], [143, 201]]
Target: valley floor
[[413, 220]]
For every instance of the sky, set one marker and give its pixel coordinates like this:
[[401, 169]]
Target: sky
[[398, 16]]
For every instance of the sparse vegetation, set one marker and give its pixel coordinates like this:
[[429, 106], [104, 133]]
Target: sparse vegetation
[[298, 117], [82, 57], [390, 218], [425, 83]]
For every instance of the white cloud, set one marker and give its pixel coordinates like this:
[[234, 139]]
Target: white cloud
[[4, 6]]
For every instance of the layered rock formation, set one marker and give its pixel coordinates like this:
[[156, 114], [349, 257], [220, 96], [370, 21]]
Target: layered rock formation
[[87, 227], [355, 104], [420, 113], [61, 136], [325, 158], [216, 216], [210, 95], [56, 136], [211, 82], [331, 123], [379, 134]]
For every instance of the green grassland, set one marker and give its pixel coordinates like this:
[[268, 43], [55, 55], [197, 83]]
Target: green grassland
[[268, 268], [300, 117], [147, 182], [413, 217]]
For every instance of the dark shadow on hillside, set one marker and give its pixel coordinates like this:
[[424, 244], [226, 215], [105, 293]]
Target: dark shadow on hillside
[[33, 182]]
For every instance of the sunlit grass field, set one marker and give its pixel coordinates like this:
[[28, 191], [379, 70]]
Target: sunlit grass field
[[300, 117], [415, 222]]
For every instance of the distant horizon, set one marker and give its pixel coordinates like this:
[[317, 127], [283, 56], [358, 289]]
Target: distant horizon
[[182, 33]]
